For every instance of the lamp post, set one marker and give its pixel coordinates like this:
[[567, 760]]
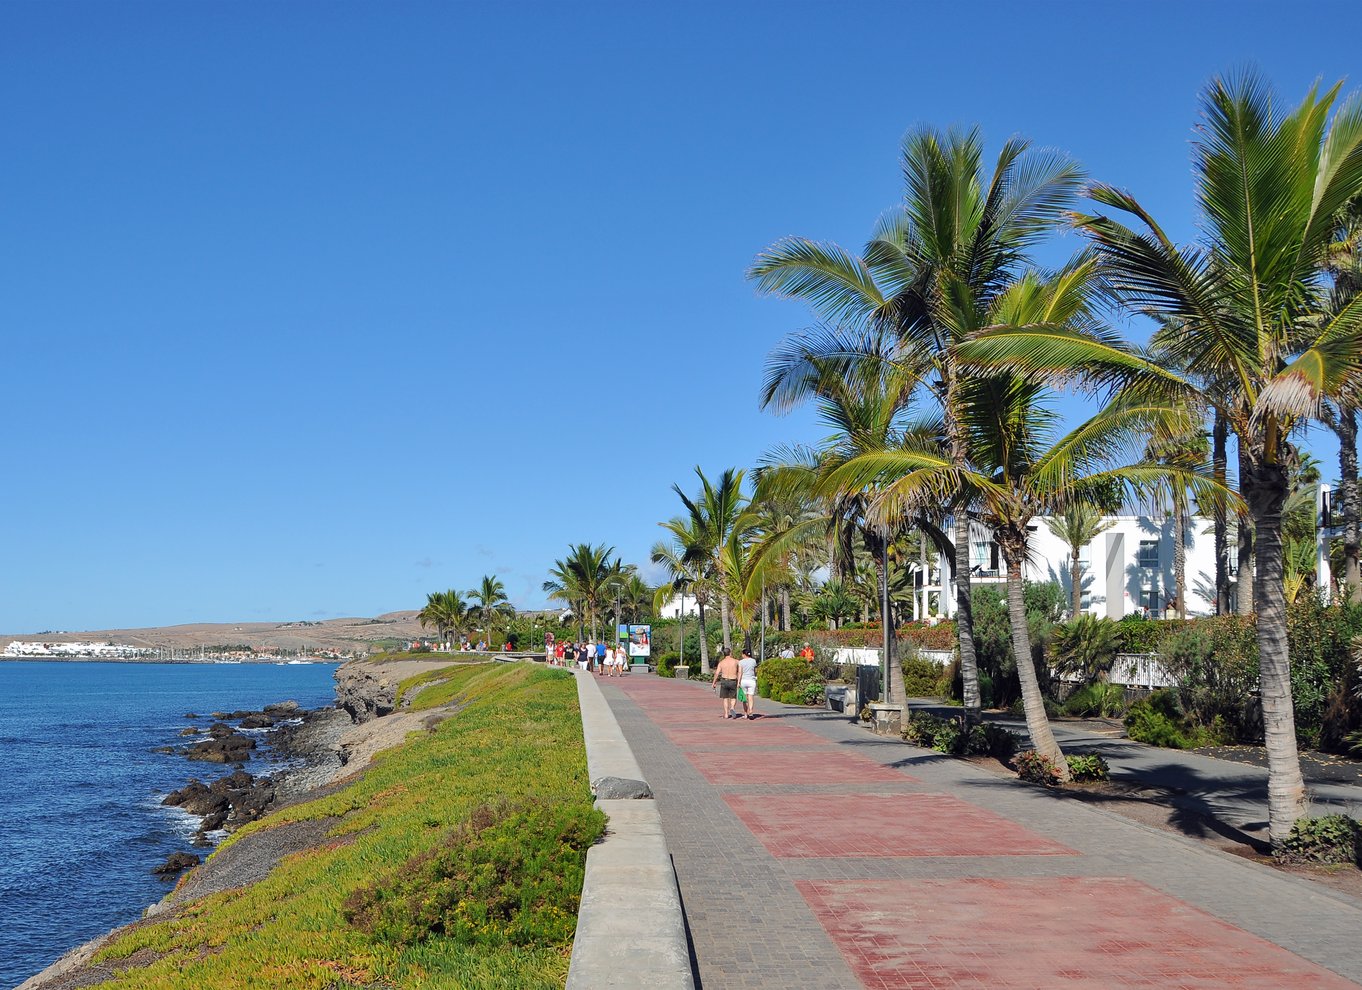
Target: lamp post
[[681, 631], [884, 615], [762, 647]]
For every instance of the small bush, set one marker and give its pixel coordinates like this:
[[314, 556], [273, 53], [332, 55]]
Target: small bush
[[1035, 768], [1088, 766], [1107, 700], [813, 694], [1331, 839], [1156, 720], [921, 678], [921, 729], [993, 740], [788, 680], [1018, 708], [666, 664]]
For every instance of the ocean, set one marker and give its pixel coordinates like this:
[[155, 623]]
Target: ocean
[[81, 825]]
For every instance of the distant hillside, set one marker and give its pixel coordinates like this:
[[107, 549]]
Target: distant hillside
[[330, 634]]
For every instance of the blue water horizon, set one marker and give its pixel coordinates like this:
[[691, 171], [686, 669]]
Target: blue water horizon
[[81, 823]]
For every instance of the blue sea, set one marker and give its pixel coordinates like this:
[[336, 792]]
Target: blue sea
[[81, 825]]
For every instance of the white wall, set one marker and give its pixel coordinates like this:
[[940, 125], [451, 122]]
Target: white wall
[[1113, 583], [673, 608]]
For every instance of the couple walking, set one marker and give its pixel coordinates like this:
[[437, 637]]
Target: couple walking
[[732, 676]]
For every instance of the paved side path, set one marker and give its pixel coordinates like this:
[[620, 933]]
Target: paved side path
[[811, 854]]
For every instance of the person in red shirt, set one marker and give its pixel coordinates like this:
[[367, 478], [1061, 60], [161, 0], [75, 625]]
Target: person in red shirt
[[806, 653]]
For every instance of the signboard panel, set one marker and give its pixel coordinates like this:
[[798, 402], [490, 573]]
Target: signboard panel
[[640, 641]]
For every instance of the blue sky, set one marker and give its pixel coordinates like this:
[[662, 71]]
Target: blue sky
[[311, 308]]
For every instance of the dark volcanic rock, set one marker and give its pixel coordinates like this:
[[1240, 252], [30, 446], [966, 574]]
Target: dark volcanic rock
[[219, 730], [234, 748], [284, 709], [191, 715], [165, 749], [177, 863], [191, 731], [260, 721]]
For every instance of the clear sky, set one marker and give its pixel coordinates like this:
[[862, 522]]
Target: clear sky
[[312, 308]]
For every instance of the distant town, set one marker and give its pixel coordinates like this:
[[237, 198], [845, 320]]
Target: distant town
[[120, 652]]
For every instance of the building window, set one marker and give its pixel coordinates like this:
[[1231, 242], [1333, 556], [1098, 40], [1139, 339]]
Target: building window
[[1148, 556], [1149, 601]]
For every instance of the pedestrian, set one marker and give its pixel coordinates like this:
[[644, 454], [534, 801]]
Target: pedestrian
[[726, 680], [600, 655], [747, 683], [787, 653]]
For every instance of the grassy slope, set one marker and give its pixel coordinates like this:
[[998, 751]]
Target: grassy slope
[[519, 736]]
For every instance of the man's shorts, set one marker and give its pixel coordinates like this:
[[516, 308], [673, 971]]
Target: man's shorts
[[728, 688]]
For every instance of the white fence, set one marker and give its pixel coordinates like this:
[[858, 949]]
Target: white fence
[[1130, 669]]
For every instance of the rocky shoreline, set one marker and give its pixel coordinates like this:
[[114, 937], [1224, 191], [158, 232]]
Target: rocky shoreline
[[306, 742], [321, 748]]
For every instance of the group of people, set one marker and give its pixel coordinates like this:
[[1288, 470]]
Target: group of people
[[608, 661], [736, 681]]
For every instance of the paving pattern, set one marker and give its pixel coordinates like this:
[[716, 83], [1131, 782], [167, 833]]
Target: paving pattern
[[812, 854]]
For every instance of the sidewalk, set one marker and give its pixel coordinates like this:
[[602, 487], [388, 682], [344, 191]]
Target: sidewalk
[[1231, 792], [811, 854]]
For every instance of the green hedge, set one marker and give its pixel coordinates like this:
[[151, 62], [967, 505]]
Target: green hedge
[[789, 681]]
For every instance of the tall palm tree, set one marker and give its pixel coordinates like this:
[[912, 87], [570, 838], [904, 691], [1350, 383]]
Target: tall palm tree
[[1245, 310], [488, 600], [686, 559], [1078, 524], [584, 580], [930, 275], [1188, 451], [714, 512]]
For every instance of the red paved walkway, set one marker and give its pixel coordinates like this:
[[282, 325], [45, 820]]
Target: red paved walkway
[[809, 799]]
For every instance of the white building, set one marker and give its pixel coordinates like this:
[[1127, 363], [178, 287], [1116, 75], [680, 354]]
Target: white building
[[1126, 570]]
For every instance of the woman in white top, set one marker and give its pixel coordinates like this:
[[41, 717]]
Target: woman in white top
[[609, 661], [747, 680]]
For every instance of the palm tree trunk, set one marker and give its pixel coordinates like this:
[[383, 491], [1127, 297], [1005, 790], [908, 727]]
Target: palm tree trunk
[[1220, 468], [784, 609], [1352, 501], [964, 622], [704, 637], [1076, 578], [1037, 722], [726, 616], [1245, 582], [1264, 487], [1180, 551]]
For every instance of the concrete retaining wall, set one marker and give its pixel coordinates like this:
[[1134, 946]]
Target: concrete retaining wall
[[630, 929]]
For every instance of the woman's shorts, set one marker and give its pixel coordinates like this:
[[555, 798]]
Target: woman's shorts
[[728, 688], [749, 688]]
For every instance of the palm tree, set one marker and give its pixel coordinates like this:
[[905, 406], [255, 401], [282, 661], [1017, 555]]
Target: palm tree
[[930, 275], [584, 580], [1078, 524], [1246, 313], [685, 558], [713, 513], [1187, 451], [1021, 472], [492, 606], [445, 611]]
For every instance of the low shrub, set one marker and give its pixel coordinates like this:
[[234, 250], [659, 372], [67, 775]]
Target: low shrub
[[1088, 766], [1035, 768], [667, 664], [1156, 720], [813, 694], [497, 879], [921, 678], [1106, 700], [788, 680], [1052, 709], [993, 740], [1331, 839], [947, 735]]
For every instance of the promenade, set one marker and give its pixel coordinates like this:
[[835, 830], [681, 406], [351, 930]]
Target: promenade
[[812, 854]]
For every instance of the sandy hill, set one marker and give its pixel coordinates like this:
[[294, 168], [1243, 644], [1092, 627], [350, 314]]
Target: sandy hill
[[330, 634]]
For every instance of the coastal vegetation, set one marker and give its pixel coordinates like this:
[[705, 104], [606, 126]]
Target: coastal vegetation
[[456, 859]]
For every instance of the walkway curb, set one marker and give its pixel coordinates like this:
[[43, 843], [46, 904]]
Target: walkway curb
[[631, 931]]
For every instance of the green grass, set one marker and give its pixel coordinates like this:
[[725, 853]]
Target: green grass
[[517, 744]]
